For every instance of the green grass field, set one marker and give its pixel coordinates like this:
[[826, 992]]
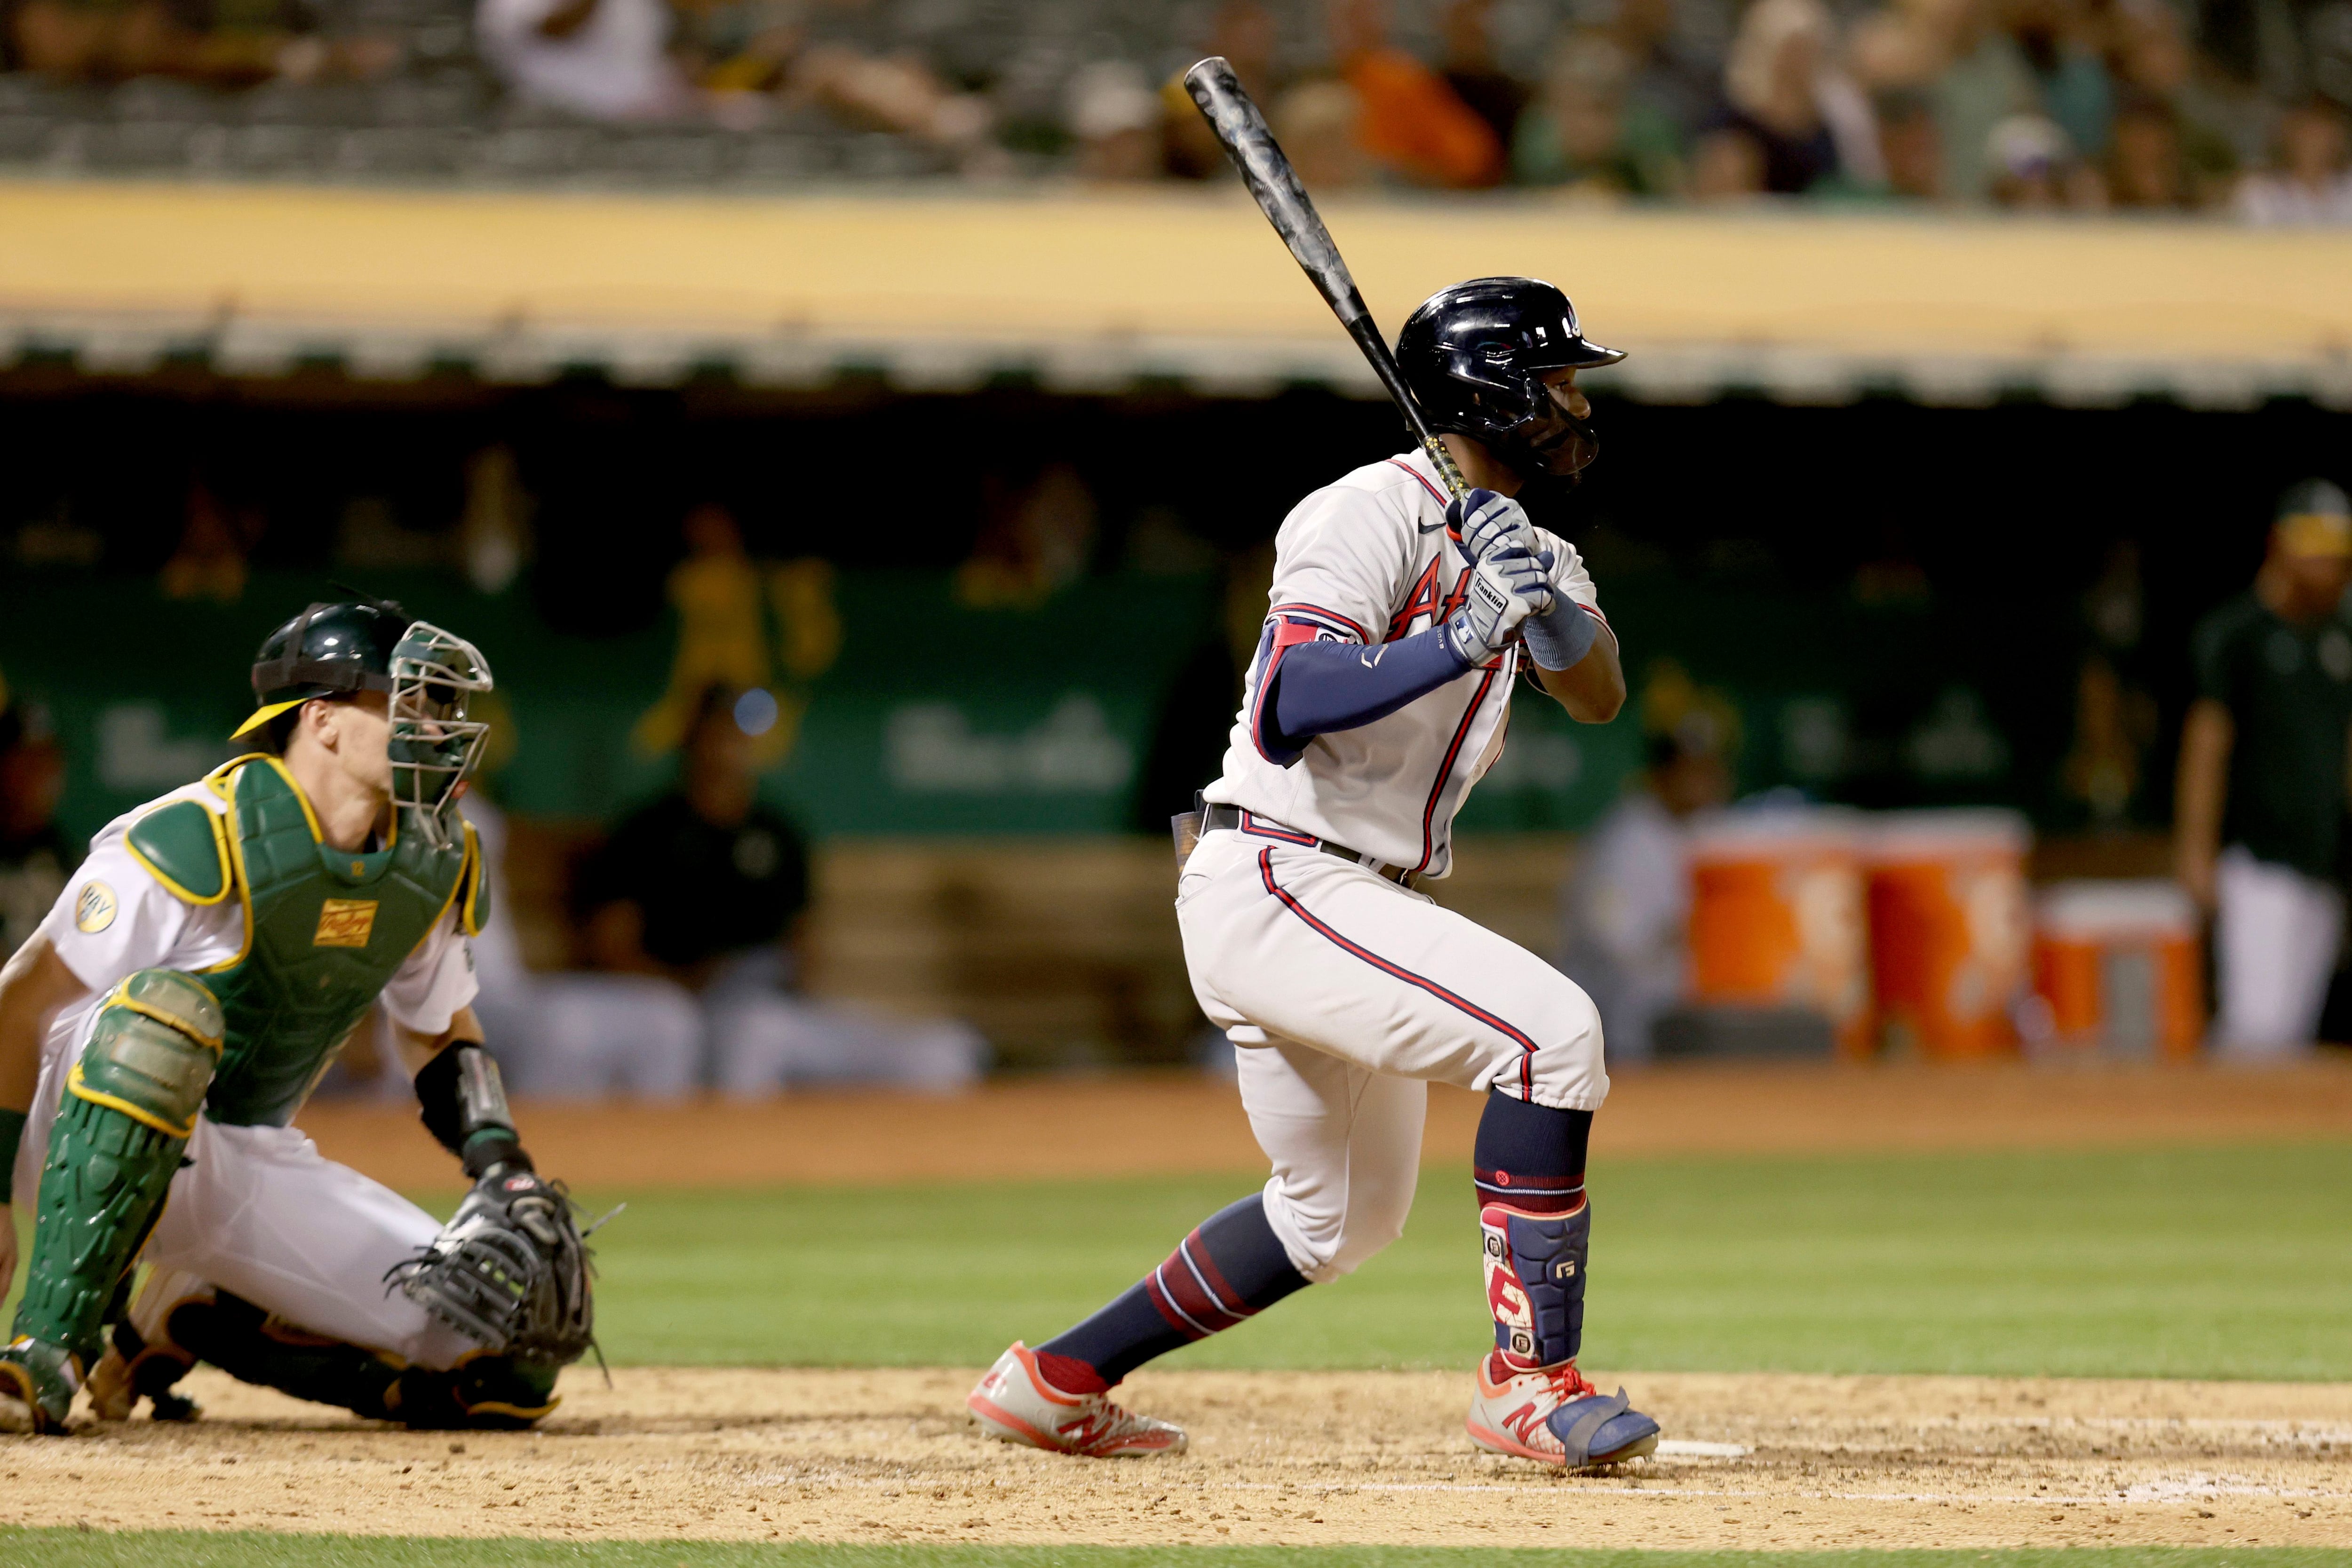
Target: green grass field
[[189, 1549], [2184, 1263], [2180, 1263]]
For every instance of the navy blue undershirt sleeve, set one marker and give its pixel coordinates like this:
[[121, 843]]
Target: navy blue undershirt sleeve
[[1320, 688]]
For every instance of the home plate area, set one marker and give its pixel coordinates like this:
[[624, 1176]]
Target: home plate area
[[1750, 1461]]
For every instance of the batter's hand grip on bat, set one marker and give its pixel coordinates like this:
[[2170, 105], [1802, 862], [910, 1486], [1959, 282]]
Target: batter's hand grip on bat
[[1243, 131]]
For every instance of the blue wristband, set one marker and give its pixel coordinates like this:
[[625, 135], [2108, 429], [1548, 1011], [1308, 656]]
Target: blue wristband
[[11, 1132], [1561, 639]]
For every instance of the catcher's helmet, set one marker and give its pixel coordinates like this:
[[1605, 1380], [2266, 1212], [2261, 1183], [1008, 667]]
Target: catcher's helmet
[[428, 676], [325, 651], [1474, 356]]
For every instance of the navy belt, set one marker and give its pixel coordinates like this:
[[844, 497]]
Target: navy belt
[[1234, 817]]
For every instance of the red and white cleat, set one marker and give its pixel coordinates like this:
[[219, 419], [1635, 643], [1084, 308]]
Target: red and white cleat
[[1016, 1403], [1552, 1415]]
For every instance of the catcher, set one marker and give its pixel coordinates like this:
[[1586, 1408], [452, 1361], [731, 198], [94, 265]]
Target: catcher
[[184, 996]]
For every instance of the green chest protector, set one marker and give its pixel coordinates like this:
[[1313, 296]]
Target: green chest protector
[[325, 930], [245, 1042]]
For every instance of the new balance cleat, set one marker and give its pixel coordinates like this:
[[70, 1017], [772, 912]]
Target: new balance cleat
[[1015, 1404], [1553, 1416]]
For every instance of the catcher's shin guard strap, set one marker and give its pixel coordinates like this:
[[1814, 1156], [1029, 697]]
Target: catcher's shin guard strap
[[1535, 1282], [249, 1345]]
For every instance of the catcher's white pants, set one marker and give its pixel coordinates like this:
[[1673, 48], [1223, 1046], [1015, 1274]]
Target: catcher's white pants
[[1346, 995], [262, 1213]]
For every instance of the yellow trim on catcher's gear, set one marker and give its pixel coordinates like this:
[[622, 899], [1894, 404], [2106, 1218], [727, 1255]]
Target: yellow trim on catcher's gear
[[74, 1086], [172, 885], [520, 1412], [472, 878], [115, 998]]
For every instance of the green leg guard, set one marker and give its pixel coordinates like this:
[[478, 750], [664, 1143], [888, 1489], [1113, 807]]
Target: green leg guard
[[130, 1106]]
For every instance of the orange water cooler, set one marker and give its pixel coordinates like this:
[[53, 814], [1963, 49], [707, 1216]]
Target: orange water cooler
[[1948, 935], [2116, 966], [1776, 916]]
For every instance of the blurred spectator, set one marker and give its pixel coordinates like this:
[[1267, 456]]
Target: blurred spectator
[[1626, 908], [1970, 68], [1321, 124], [2147, 170], [900, 93], [35, 858], [1244, 33], [735, 48], [1789, 96], [2261, 798], [2309, 181], [2061, 43], [2035, 168], [2212, 121], [1727, 165], [1910, 145], [1492, 93], [1411, 121], [84, 40], [1115, 116], [572, 1036], [1584, 132], [709, 886], [1668, 81], [602, 59]]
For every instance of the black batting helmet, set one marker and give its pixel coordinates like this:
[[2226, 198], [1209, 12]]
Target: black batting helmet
[[1476, 355]]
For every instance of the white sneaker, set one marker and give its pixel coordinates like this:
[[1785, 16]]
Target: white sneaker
[[1552, 1415], [1016, 1403]]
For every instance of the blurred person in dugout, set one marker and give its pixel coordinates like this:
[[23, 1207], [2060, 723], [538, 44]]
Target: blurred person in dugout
[[708, 887], [1625, 911], [574, 1035], [2265, 761], [35, 858]]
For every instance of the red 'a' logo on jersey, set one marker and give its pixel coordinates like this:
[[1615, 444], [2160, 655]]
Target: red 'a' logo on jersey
[[1427, 600]]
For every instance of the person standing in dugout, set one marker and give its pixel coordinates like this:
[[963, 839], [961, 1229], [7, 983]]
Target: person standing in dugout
[[1379, 696], [2265, 764], [184, 995]]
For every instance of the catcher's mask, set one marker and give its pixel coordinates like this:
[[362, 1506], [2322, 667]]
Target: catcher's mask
[[435, 744], [1476, 355]]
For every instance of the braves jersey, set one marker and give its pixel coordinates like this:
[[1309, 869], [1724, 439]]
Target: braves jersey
[[1368, 561]]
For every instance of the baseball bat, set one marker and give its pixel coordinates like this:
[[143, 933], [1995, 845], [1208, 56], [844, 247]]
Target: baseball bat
[[1242, 130]]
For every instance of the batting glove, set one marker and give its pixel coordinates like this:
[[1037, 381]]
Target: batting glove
[[1505, 589], [1482, 523]]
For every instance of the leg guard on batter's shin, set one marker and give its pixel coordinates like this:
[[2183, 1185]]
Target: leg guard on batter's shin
[[130, 1105], [1535, 1282]]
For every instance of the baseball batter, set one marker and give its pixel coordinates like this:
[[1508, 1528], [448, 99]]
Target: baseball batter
[[191, 985], [1380, 695]]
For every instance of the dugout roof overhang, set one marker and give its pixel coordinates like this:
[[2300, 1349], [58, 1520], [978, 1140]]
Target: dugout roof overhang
[[941, 290]]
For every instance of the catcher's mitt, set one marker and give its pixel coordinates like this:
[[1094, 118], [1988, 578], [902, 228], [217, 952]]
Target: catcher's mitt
[[509, 1272]]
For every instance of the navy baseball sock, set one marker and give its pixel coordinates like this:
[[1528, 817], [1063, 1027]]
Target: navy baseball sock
[[1230, 1267], [1531, 1156]]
